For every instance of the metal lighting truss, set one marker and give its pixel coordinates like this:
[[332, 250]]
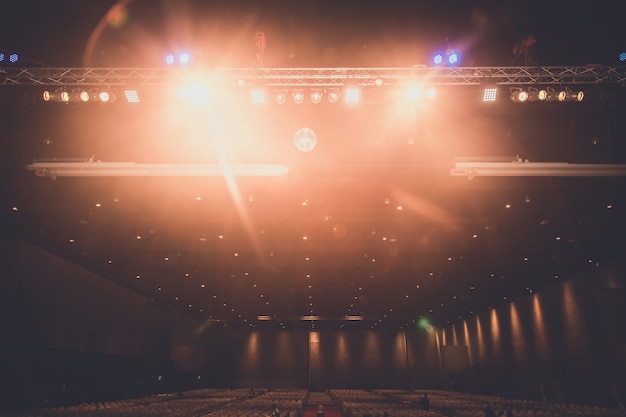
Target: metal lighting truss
[[321, 77]]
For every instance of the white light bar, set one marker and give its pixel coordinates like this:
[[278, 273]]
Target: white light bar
[[131, 169], [535, 169]]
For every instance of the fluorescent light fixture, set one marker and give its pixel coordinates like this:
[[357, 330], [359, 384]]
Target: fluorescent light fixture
[[131, 169]]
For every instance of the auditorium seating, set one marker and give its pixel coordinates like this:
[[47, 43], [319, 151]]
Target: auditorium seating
[[352, 403]]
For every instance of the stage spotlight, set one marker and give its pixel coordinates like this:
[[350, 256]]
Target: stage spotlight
[[13, 58], [353, 95], [131, 96], [574, 95], [305, 139], [453, 58], [107, 96], [298, 96], [84, 96], [490, 94], [184, 58], [316, 96], [438, 59], [542, 94], [622, 56], [580, 96], [104, 96], [79, 94], [519, 95], [170, 59], [64, 96], [334, 95], [280, 96], [1, 57], [537, 95], [258, 96]]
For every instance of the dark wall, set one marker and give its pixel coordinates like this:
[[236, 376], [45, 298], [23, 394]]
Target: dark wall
[[565, 343]]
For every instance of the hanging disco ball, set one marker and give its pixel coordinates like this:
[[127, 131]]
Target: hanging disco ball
[[305, 139]]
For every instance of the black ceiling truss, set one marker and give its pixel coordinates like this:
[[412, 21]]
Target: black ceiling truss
[[322, 77]]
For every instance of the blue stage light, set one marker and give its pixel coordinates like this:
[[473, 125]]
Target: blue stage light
[[13, 58], [453, 58], [184, 58], [438, 59], [1, 57], [622, 56]]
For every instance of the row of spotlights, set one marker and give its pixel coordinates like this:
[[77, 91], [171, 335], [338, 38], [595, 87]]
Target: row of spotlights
[[522, 95], [79, 95], [316, 95]]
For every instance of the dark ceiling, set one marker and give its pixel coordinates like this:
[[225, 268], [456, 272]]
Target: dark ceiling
[[370, 223]]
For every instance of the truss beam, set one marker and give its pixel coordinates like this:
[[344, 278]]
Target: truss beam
[[321, 77]]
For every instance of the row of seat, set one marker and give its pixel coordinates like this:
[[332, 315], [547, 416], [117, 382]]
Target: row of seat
[[352, 402]]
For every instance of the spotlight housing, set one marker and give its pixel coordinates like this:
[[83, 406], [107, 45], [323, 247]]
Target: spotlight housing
[[316, 96], [280, 96], [519, 95], [298, 96], [334, 95]]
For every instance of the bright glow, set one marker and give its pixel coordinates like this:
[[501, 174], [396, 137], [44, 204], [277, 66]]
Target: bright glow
[[196, 93], [305, 139], [542, 95], [413, 93], [47, 96], [522, 96], [423, 323], [431, 92], [170, 59], [580, 96], [298, 96], [519, 95], [352, 95], [184, 58], [131, 96], [65, 96], [104, 96], [83, 96], [258, 96], [316, 96], [490, 94], [438, 59], [13, 58], [453, 58], [562, 95]]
